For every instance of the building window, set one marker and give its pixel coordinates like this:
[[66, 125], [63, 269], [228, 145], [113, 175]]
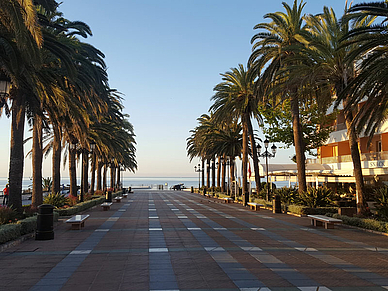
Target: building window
[[378, 146]]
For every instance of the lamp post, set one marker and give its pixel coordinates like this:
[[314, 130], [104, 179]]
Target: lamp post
[[5, 84], [198, 170], [266, 154]]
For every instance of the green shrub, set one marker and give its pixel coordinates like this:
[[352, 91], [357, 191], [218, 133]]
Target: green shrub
[[56, 199], [287, 195], [7, 215], [371, 224], [27, 225], [81, 206], [317, 197], [9, 232], [305, 210], [381, 198]]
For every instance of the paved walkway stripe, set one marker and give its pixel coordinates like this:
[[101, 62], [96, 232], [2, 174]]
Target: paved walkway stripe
[[58, 276], [162, 276], [329, 259]]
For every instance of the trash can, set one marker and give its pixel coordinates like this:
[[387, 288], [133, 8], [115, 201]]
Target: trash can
[[276, 204], [108, 196], [45, 222], [192, 189]]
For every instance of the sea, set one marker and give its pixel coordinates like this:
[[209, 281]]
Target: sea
[[136, 182]]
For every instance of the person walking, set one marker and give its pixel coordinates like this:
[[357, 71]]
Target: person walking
[[5, 194]]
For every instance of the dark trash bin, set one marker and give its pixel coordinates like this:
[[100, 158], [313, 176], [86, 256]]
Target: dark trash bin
[[192, 189], [108, 196], [45, 222], [276, 205]]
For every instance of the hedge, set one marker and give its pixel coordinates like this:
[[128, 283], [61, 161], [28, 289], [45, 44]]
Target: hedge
[[81, 206], [366, 223], [13, 231], [305, 210]]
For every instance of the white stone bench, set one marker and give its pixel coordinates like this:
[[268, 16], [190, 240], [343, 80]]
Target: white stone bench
[[118, 198], [254, 206], [78, 221], [106, 206], [125, 195], [227, 199], [323, 220]]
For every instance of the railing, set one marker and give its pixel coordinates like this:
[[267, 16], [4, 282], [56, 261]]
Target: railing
[[339, 127], [348, 158]]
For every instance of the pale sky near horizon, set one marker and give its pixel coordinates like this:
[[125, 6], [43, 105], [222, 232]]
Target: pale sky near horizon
[[166, 57]]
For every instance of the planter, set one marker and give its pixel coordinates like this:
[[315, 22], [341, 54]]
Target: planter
[[348, 211]]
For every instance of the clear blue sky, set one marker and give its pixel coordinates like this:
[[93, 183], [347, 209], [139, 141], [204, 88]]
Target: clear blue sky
[[166, 57]]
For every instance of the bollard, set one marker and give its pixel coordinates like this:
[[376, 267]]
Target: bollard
[[108, 196], [192, 189], [276, 204], [45, 222]]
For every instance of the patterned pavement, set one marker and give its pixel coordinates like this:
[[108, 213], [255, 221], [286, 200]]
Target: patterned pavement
[[174, 240]]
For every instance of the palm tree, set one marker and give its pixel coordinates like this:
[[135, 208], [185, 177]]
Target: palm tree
[[21, 39], [271, 50], [235, 98], [327, 66]]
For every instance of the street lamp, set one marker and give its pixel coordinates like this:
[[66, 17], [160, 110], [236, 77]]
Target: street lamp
[[227, 170], [266, 154], [5, 84], [198, 170]]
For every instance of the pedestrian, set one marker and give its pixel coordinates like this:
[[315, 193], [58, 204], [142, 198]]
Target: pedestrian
[[5, 194]]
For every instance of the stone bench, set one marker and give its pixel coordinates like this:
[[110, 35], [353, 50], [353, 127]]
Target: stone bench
[[254, 206], [78, 221], [118, 198], [323, 220], [227, 199], [106, 206], [125, 195]]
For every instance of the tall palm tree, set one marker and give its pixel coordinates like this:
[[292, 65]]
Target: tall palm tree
[[327, 66], [21, 40], [271, 50], [235, 98]]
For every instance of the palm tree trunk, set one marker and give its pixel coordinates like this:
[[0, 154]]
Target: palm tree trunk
[[104, 178], [298, 143], [93, 177], [99, 167], [245, 160], [112, 177], [56, 160], [118, 177], [223, 175], [356, 159], [84, 174], [37, 156], [231, 173], [203, 172], [219, 172], [208, 173], [254, 156], [16, 162], [213, 173], [73, 173]]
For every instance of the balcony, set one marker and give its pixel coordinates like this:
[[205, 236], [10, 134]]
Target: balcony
[[348, 158]]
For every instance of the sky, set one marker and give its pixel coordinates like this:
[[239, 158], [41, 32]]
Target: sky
[[166, 57]]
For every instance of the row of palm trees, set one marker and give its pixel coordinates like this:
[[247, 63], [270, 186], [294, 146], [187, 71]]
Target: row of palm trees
[[60, 85], [307, 59]]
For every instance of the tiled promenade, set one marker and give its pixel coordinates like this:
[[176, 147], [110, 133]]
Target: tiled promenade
[[173, 240]]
